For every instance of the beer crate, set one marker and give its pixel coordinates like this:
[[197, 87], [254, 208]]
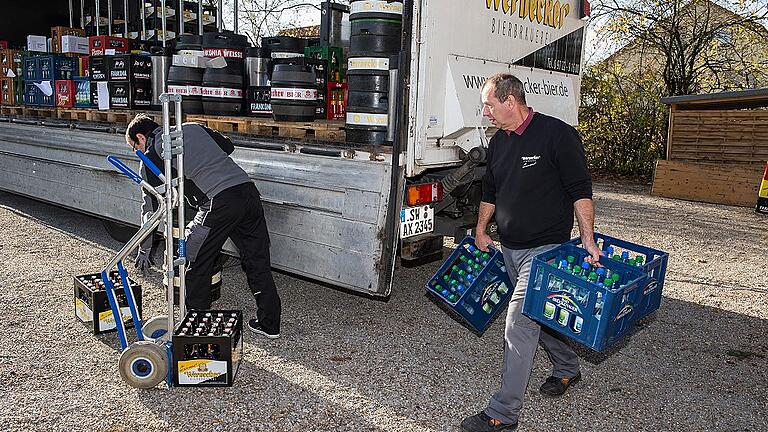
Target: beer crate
[[653, 263], [473, 285], [108, 45], [206, 353], [60, 31], [65, 93], [129, 67], [10, 63], [127, 95], [99, 68], [82, 92], [11, 91], [49, 67], [587, 311], [35, 96], [92, 305]]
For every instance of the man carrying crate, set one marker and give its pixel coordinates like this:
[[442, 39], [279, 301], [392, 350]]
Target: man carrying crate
[[536, 178], [229, 206]]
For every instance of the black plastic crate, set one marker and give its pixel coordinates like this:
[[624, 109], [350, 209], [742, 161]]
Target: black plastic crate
[[99, 68], [211, 356], [92, 305], [129, 67], [129, 95]]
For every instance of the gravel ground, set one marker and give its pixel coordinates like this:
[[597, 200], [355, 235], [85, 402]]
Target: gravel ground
[[349, 363]]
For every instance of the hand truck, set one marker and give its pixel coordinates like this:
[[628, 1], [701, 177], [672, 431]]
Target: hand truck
[[146, 362]]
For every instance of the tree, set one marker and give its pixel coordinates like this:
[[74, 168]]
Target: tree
[[696, 44], [259, 18], [621, 120]]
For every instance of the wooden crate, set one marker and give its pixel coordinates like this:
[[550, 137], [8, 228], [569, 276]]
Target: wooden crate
[[718, 184]]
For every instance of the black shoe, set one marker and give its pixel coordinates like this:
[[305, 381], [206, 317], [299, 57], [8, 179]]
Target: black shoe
[[482, 422], [554, 386], [255, 327]]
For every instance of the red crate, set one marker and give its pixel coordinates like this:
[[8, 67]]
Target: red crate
[[98, 45], [83, 66], [3, 44], [65, 93], [336, 101]]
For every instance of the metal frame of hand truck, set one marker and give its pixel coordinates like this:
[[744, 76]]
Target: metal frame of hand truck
[[146, 362]]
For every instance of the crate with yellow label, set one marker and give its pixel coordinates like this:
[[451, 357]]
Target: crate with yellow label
[[92, 306], [207, 348]]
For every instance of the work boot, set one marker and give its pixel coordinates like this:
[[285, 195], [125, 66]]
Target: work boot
[[482, 422], [555, 386]]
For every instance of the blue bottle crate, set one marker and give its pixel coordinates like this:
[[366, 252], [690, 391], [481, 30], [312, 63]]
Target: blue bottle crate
[[476, 297], [56, 67], [654, 264], [31, 68], [82, 92], [33, 96], [594, 316]]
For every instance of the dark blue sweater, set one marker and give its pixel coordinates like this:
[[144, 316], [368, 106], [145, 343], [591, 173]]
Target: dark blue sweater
[[534, 179]]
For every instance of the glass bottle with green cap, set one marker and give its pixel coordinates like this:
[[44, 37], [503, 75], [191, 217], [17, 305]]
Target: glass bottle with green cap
[[592, 278], [570, 260], [639, 260]]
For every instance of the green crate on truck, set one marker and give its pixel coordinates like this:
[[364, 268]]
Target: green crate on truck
[[335, 58]]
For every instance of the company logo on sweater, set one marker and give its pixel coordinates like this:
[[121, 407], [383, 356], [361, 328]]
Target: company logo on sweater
[[529, 161]]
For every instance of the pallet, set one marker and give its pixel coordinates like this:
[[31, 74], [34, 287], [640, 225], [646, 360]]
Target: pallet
[[111, 116], [12, 110], [319, 130], [44, 112], [73, 114]]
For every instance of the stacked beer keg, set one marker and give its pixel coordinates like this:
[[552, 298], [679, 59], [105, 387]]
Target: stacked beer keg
[[185, 76], [224, 88], [293, 93], [376, 31]]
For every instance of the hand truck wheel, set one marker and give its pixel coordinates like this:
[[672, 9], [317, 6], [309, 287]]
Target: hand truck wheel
[[143, 364], [156, 328]]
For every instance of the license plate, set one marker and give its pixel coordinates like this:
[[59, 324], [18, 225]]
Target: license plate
[[416, 220]]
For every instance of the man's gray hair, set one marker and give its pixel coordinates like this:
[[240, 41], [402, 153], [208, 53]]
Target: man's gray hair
[[505, 85]]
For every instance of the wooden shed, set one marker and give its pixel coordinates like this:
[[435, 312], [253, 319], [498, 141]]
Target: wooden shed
[[717, 148]]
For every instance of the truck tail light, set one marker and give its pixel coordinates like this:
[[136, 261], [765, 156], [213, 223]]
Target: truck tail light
[[423, 193]]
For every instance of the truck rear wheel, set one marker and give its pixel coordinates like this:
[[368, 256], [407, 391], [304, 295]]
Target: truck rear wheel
[[118, 231]]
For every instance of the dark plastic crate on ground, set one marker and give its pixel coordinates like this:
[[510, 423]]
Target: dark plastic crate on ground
[[205, 353], [593, 315], [474, 285], [92, 305]]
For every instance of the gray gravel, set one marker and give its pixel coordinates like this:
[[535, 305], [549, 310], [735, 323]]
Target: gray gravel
[[350, 363]]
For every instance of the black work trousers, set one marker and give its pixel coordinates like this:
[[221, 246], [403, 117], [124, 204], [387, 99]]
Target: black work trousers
[[234, 213]]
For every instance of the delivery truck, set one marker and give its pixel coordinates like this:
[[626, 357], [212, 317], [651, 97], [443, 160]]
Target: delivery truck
[[344, 214]]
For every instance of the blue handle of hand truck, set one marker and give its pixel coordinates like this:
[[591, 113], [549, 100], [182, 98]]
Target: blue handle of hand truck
[[148, 163], [124, 168]]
